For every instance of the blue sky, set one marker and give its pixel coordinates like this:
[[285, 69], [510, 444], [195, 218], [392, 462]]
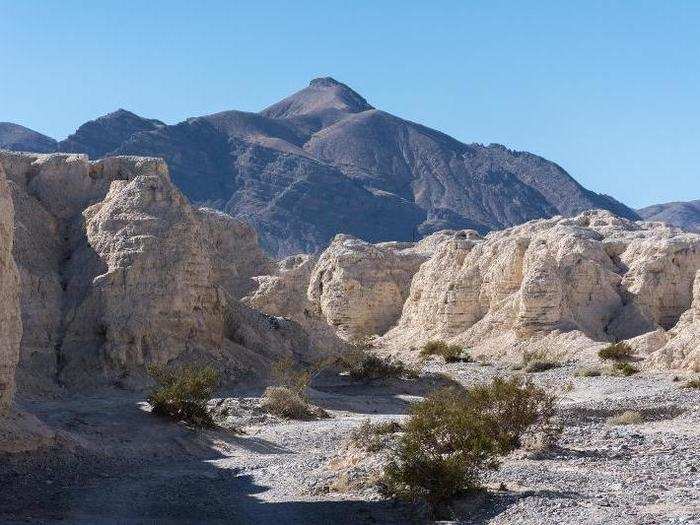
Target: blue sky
[[609, 90]]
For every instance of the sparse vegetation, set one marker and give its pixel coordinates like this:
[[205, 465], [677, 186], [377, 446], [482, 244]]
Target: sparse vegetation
[[371, 437], [540, 366], [534, 362], [286, 373], [624, 369], [629, 417], [182, 393], [588, 372], [284, 402], [692, 383], [616, 352], [450, 353], [456, 434], [361, 364]]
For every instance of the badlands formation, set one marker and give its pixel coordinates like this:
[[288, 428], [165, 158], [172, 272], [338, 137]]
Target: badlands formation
[[560, 287], [105, 267]]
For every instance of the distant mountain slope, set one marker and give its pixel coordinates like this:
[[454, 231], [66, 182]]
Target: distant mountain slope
[[100, 136], [324, 161], [18, 138], [685, 215]]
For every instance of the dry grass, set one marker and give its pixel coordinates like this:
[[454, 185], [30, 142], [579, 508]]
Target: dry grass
[[629, 417]]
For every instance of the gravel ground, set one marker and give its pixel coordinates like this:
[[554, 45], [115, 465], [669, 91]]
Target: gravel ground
[[119, 464]]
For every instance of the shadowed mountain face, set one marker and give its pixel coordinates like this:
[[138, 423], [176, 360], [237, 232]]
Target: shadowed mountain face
[[324, 161], [100, 136], [19, 138], [685, 215]]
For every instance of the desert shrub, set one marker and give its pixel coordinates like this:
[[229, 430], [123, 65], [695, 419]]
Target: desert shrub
[[285, 402], [450, 353], [183, 393], [540, 366], [692, 383], [456, 434], [629, 417], [616, 352], [371, 436], [286, 373], [361, 364], [624, 369], [588, 372]]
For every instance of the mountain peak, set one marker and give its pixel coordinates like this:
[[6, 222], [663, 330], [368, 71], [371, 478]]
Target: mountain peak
[[326, 82], [323, 95]]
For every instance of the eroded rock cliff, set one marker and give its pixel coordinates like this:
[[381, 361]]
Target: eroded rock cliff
[[10, 323], [118, 270]]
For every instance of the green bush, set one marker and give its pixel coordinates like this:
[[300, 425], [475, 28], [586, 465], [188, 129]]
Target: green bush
[[450, 353], [455, 434], [616, 352], [183, 393], [361, 364]]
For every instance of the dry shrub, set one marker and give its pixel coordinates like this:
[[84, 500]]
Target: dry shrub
[[361, 364], [629, 417], [616, 352], [456, 434], [183, 393], [588, 372], [450, 353], [692, 383], [624, 369], [285, 402]]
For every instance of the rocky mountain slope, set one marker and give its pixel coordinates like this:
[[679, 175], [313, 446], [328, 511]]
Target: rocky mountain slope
[[323, 161], [685, 215], [117, 270], [18, 138], [563, 287]]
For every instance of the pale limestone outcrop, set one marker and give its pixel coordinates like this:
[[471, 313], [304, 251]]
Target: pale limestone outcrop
[[118, 271], [682, 346], [354, 287], [10, 321], [561, 285]]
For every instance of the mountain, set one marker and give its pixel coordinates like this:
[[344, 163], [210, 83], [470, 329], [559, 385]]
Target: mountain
[[685, 215], [18, 138], [324, 161], [100, 136]]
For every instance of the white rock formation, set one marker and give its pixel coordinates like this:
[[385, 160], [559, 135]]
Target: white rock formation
[[118, 271], [559, 285], [10, 322], [562, 286], [356, 288]]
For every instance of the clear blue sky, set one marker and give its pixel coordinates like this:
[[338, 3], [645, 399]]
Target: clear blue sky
[[609, 90]]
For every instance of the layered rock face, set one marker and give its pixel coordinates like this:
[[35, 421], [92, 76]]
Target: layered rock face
[[559, 285], [118, 270], [562, 286], [10, 322]]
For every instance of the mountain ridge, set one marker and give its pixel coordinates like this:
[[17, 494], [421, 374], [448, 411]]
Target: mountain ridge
[[324, 161]]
